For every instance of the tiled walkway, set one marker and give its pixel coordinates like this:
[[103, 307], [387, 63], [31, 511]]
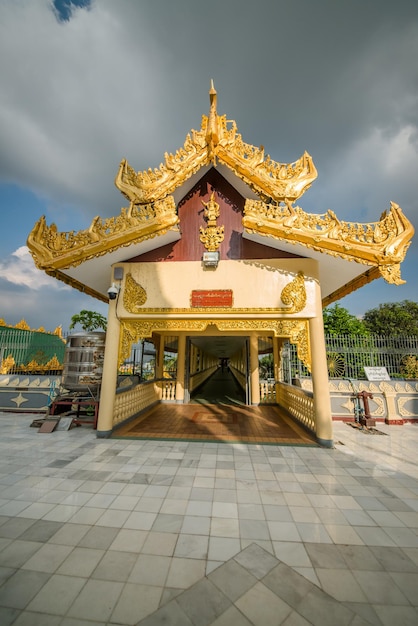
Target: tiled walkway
[[217, 413], [121, 532], [216, 423]]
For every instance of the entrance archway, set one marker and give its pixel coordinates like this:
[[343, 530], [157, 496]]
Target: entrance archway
[[217, 369], [227, 384]]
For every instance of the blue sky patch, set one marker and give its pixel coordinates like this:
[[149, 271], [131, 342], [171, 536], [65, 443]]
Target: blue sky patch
[[64, 8]]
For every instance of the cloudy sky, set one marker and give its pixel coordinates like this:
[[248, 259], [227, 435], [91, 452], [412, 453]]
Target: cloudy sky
[[87, 83]]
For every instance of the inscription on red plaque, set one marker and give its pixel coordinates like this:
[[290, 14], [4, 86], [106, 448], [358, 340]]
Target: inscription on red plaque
[[211, 298]]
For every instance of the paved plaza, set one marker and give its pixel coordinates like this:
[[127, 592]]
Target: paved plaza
[[123, 532]]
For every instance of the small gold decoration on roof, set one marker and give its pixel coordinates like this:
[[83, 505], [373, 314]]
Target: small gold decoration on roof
[[22, 325], [213, 235], [7, 364]]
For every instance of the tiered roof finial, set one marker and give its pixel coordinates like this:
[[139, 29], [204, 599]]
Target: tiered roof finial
[[212, 135]]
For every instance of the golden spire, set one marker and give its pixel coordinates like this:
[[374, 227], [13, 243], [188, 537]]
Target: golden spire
[[212, 137]]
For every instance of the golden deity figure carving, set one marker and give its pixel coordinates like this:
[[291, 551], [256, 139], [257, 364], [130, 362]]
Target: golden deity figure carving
[[213, 235]]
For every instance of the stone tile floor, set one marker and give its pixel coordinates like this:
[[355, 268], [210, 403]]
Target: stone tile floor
[[121, 532]]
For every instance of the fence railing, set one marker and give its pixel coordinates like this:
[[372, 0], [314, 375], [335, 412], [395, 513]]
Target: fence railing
[[298, 403], [30, 352], [348, 355]]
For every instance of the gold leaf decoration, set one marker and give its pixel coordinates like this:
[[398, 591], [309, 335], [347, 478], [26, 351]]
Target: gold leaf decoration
[[134, 295], [294, 294], [218, 141], [382, 244], [213, 235]]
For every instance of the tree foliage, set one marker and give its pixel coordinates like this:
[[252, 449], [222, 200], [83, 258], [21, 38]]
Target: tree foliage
[[89, 321], [393, 318], [338, 321], [409, 368]]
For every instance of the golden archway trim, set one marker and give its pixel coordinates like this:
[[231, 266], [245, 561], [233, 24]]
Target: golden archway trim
[[297, 331]]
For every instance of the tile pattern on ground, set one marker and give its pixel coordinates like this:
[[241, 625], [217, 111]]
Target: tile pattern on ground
[[262, 424], [112, 532]]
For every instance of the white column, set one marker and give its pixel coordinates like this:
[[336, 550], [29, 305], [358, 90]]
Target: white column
[[181, 368], [321, 395], [110, 373], [254, 377]]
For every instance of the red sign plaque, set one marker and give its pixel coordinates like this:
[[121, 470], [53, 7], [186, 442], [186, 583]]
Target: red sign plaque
[[211, 298]]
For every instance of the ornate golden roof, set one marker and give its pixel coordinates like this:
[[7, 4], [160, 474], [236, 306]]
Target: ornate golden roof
[[51, 248], [381, 244], [152, 212], [218, 141]]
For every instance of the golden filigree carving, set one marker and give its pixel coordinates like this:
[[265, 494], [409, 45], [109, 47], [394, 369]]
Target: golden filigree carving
[[23, 325], [7, 364], [213, 235], [51, 248], [218, 141], [294, 294], [392, 274], [134, 295], [134, 331], [297, 331], [382, 244], [216, 310]]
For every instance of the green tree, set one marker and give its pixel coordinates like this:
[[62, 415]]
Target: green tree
[[89, 320], [338, 321], [393, 318], [409, 367], [266, 366]]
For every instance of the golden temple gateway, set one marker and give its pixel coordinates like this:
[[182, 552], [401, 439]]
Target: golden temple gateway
[[212, 255]]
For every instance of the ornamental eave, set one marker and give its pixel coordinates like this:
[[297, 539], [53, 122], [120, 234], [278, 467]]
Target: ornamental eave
[[381, 244], [83, 259], [52, 249], [218, 141]]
